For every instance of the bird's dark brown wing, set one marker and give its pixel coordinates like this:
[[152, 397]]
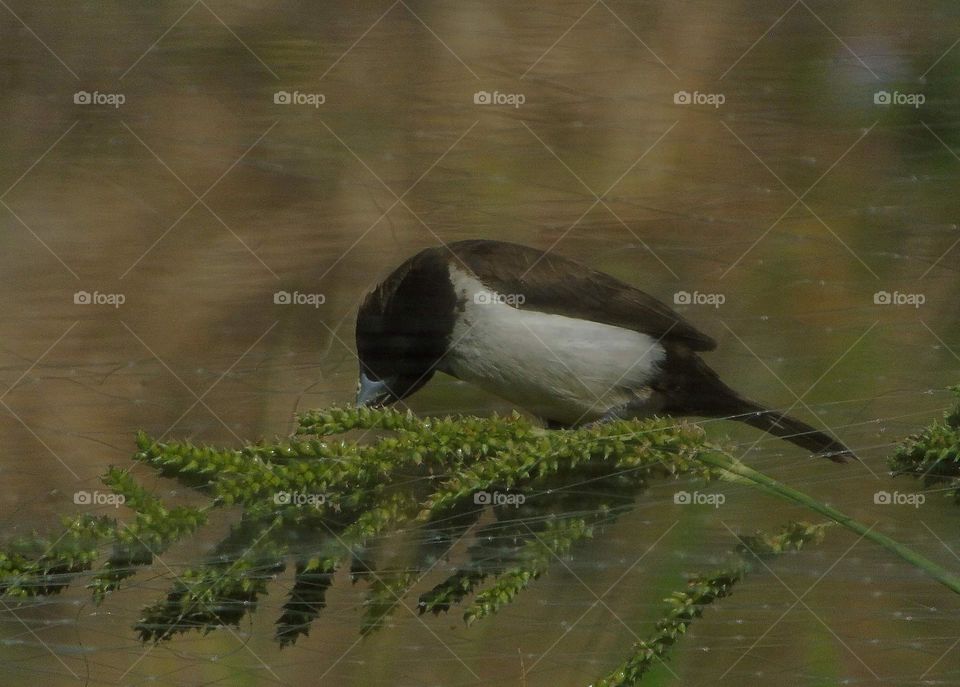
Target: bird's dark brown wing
[[557, 285]]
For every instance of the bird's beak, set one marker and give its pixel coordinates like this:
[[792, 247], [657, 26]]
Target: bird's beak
[[372, 392]]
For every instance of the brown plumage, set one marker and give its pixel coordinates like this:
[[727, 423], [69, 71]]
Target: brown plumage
[[434, 313]]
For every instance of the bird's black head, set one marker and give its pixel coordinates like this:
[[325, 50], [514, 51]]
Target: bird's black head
[[403, 329]]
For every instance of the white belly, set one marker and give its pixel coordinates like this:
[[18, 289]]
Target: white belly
[[557, 367]]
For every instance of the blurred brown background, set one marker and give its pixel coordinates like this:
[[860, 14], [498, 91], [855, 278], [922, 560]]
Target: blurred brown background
[[200, 197]]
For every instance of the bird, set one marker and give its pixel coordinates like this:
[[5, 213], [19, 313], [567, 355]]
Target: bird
[[571, 345]]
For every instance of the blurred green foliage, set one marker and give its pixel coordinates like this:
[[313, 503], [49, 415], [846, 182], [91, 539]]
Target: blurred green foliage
[[350, 476]]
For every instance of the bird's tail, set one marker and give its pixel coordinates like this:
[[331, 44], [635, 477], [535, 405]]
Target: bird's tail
[[710, 397], [793, 430]]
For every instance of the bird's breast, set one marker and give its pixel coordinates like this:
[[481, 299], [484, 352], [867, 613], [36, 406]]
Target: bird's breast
[[560, 368]]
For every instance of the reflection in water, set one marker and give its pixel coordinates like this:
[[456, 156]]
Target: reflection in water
[[695, 198], [329, 506], [324, 503]]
